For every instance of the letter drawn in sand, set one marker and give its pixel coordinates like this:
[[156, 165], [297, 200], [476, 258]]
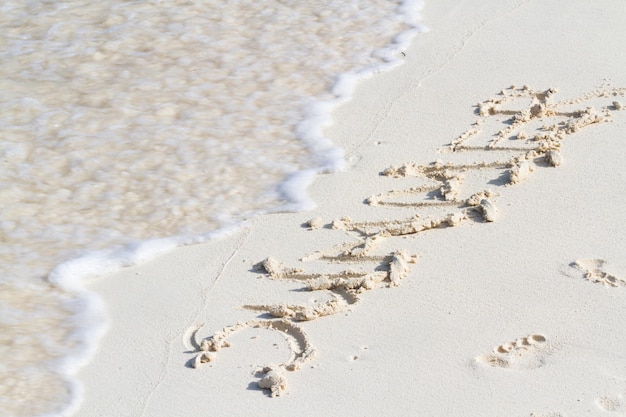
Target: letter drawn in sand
[[444, 195], [345, 287], [273, 376]]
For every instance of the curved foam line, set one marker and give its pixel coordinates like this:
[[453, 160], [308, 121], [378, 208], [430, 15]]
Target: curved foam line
[[90, 318], [318, 114]]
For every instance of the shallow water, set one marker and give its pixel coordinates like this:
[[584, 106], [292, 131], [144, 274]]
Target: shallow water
[[122, 121]]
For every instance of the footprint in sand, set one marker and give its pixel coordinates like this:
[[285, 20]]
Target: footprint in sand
[[612, 403], [594, 270], [524, 353]]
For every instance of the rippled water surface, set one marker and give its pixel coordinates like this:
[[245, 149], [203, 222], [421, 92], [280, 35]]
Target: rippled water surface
[[134, 120]]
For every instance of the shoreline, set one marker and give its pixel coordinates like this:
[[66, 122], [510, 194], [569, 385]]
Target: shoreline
[[88, 324], [472, 288]]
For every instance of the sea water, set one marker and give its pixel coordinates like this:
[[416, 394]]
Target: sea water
[[130, 127]]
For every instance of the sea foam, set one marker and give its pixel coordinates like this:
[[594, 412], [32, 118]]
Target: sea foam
[[131, 128]]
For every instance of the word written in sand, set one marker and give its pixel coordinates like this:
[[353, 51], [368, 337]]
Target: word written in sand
[[518, 131]]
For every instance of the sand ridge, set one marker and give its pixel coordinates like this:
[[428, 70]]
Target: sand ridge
[[447, 195]]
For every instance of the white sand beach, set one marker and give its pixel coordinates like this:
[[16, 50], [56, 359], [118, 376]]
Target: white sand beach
[[485, 277]]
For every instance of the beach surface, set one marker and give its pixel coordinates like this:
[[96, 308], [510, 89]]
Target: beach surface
[[468, 261]]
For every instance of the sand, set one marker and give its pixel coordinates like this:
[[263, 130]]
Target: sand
[[468, 262]]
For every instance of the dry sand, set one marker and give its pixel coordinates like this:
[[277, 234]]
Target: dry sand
[[469, 262]]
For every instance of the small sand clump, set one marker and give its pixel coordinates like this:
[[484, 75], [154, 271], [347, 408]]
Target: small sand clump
[[399, 267], [274, 381], [520, 172], [489, 210], [277, 270], [315, 223], [554, 158]]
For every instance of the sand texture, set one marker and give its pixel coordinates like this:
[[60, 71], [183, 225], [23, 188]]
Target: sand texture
[[468, 262]]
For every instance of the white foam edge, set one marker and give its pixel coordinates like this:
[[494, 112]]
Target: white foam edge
[[89, 321], [318, 114]]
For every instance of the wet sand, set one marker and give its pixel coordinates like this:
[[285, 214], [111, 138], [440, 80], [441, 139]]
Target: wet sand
[[468, 261]]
